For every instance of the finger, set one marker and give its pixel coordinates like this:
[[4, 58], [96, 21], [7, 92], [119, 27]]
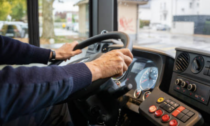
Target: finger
[[125, 67], [73, 44], [127, 52], [78, 51], [127, 60]]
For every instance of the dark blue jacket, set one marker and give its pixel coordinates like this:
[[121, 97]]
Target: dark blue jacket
[[26, 90]]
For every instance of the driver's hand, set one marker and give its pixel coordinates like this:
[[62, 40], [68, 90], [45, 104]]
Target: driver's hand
[[66, 51], [111, 64]]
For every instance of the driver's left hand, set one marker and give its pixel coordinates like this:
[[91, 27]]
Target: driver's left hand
[[66, 51]]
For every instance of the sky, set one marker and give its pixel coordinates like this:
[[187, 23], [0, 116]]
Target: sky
[[66, 5]]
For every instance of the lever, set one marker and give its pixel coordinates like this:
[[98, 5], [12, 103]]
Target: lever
[[121, 91]]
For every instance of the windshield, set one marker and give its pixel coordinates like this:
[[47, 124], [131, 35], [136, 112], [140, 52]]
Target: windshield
[[166, 24]]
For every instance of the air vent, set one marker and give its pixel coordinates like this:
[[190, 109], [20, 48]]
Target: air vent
[[182, 62]]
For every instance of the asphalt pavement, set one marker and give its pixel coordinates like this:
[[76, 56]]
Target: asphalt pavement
[[167, 41]]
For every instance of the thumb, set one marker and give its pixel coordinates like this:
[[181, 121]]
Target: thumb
[[76, 52]]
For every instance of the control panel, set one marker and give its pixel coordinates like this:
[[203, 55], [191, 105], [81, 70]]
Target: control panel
[[191, 77], [192, 89], [164, 110]]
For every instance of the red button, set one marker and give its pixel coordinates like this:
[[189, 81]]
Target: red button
[[181, 108], [173, 122], [165, 118], [158, 113], [175, 113], [152, 109]]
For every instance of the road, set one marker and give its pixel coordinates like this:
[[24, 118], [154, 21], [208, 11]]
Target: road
[[162, 40], [167, 41], [60, 32]]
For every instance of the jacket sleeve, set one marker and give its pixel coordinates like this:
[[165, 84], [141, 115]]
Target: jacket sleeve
[[25, 90], [15, 52]]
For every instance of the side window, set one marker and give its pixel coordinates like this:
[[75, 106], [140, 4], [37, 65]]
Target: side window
[[63, 21], [13, 13]]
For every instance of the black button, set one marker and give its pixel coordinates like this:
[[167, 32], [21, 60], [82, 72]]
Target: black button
[[170, 109], [206, 70], [163, 104], [166, 107], [180, 115], [185, 118], [185, 111], [209, 73], [190, 114], [171, 103], [168, 101], [175, 105]]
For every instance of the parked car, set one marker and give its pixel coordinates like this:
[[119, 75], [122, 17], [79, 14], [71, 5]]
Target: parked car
[[11, 30], [76, 27], [14, 29], [163, 27], [69, 26], [159, 27]]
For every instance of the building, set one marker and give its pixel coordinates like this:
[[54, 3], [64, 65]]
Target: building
[[83, 17], [127, 16], [128, 20], [183, 16]]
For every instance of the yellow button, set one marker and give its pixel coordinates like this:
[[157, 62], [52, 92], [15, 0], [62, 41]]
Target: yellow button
[[161, 99]]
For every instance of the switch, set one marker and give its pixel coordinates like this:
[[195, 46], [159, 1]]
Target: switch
[[152, 109], [190, 114], [160, 100], [173, 122], [158, 113], [191, 87], [206, 70], [175, 113], [165, 118], [185, 118], [181, 108]]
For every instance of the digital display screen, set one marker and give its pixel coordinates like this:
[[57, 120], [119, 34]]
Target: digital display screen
[[137, 67]]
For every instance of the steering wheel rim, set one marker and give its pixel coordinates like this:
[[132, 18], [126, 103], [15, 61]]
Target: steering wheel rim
[[86, 92], [98, 38]]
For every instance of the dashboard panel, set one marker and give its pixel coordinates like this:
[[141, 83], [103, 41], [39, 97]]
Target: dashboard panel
[[192, 84], [142, 75]]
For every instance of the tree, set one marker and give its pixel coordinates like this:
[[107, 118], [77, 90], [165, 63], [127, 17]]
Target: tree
[[5, 9], [18, 9], [47, 14]]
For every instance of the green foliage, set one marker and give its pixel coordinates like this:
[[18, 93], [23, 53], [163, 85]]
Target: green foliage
[[73, 19], [5, 9], [144, 23], [16, 9]]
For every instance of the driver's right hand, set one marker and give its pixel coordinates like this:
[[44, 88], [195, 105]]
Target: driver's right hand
[[111, 64]]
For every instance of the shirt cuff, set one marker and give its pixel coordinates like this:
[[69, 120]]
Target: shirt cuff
[[81, 75], [40, 55]]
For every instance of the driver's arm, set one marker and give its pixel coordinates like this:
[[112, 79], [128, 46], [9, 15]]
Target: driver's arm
[[15, 52], [25, 90]]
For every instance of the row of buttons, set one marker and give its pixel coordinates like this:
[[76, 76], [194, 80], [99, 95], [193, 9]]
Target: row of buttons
[[183, 114], [169, 105], [165, 118]]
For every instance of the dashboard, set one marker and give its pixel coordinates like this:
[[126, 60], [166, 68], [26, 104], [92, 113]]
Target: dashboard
[[167, 91], [142, 75]]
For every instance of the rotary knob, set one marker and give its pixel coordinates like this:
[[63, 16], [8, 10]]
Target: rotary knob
[[178, 81], [183, 84], [191, 87]]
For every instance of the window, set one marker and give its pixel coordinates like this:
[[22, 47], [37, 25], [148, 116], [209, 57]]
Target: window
[[165, 28], [63, 22], [191, 4], [13, 19]]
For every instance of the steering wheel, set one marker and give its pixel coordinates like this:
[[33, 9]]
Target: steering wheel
[[95, 39]]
